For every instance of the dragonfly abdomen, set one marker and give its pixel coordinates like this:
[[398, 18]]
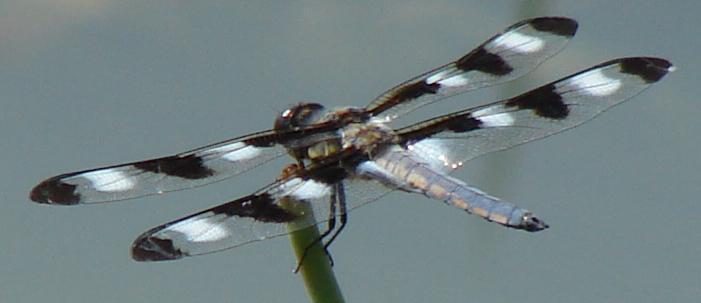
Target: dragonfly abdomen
[[417, 176]]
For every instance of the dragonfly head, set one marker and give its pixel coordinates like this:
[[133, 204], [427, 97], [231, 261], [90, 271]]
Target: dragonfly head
[[302, 114]]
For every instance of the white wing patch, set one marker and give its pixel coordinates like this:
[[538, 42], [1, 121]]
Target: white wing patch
[[486, 111], [203, 230], [444, 78], [454, 81], [520, 43], [437, 77], [302, 190], [236, 152], [246, 153], [596, 83], [492, 117], [496, 120], [109, 180]]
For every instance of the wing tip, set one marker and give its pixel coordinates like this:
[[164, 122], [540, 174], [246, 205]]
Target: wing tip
[[54, 191], [147, 249], [561, 26], [650, 69]]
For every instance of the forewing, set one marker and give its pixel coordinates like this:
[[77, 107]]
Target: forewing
[[504, 57], [451, 139], [186, 170]]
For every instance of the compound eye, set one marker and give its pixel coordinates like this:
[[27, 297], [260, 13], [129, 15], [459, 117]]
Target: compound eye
[[299, 115]]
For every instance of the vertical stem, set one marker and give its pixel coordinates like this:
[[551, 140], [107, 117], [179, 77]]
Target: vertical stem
[[316, 271]]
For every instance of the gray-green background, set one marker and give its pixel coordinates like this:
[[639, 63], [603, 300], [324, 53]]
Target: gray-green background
[[85, 83]]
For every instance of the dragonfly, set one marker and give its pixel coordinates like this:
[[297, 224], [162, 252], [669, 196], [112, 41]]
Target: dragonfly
[[346, 157]]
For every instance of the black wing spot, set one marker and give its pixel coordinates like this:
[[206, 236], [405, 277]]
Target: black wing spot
[[408, 92], [462, 124], [414, 91], [556, 25], [481, 60], [147, 248], [649, 69], [53, 191], [188, 167], [544, 101], [258, 207]]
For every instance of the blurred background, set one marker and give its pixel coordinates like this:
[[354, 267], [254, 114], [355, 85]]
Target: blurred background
[[87, 83]]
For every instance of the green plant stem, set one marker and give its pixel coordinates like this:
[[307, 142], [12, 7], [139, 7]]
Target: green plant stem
[[316, 271]]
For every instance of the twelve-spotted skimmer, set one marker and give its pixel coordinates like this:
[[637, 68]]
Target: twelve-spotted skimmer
[[350, 156]]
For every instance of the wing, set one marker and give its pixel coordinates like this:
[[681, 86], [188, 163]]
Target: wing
[[263, 215], [505, 57], [194, 168], [449, 140], [245, 220]]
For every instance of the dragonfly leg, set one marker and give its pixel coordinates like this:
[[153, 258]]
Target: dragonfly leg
[[342, 215], [331, 225]]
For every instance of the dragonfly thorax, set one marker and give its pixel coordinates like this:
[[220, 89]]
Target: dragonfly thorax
[[313, 115], [367, 137]]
